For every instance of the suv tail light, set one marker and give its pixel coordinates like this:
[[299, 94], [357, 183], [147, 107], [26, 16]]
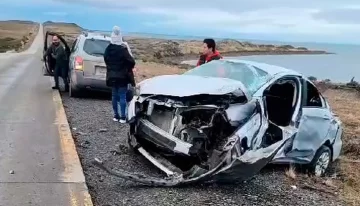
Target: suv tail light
[[79, 63]]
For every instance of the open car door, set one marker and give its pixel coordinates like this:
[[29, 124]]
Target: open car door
[[49, 62]]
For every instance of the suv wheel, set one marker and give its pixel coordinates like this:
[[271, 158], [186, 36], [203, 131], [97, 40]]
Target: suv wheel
[[73, 92]]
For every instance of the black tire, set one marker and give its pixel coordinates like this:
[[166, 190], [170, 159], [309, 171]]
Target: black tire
[[73, 92], [318, 166]]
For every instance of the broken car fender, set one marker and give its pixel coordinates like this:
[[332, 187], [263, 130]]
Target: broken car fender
[[249, 164]]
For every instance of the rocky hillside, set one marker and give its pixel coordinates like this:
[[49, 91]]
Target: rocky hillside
[[68, 30], [149, 49], [163, 50]]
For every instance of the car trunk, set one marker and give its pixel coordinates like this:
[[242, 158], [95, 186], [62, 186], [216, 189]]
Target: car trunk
[[94, 65], [95, 68]]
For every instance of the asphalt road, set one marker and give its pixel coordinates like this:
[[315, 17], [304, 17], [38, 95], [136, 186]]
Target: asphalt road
[[38, 162]]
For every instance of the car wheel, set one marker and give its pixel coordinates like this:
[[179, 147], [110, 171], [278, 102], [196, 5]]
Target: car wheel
[[73, 92], [321, 162]]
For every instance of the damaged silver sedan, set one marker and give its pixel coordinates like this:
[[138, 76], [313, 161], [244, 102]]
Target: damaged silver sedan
[[227, 119]]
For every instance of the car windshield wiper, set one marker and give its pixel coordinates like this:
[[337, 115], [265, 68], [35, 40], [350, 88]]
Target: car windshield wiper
[[97, 53]]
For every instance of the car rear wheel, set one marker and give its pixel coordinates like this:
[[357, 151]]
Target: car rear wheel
[[73, 92], [321, 162]]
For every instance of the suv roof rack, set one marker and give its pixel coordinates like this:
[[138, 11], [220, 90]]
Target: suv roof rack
[[96, 33]]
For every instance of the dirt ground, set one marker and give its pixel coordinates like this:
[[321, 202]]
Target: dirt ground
[[346, 104], [17, 35]]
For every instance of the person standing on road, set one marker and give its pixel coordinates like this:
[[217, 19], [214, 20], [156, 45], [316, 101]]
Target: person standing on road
[[209, 52], [119, 64], [57, 51]]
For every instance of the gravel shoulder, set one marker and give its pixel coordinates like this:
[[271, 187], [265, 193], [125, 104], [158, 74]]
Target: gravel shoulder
[[96, 135]]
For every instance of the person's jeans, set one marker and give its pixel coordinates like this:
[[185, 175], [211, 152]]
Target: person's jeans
[[119, 97], [59, 72]]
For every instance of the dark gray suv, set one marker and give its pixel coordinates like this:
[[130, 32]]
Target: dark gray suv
[[86, 63]]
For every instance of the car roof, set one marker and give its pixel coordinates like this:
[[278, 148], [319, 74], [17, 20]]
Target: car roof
[[270, 69], [95, 35]]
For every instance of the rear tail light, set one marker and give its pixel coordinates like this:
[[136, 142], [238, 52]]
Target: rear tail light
[[79, 63]]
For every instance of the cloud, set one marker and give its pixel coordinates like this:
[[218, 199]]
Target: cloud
[[266, 21], [340, 16], [329, 17], [308, 19]]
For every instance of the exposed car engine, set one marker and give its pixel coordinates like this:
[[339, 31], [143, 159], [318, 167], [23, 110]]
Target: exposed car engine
[[205, 126]]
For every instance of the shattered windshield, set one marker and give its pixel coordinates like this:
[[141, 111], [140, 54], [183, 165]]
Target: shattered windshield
[[252, 78]]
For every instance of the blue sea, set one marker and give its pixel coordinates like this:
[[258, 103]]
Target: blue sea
[[338, 67]]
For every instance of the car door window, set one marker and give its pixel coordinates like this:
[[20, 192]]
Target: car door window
[[312, 97]]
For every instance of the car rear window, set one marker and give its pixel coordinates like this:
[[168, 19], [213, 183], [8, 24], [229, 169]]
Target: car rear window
[[95, 47]]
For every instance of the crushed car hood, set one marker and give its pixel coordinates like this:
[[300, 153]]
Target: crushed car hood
[[190, 85]]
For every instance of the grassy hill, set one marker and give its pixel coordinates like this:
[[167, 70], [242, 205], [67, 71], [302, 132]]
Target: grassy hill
[[68, 30], [17, 35]]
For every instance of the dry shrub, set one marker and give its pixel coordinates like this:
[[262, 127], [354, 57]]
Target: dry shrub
[[150, 69], [346, 104]]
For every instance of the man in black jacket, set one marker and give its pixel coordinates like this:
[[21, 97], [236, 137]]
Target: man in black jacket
[[58, 53], [119, 64]]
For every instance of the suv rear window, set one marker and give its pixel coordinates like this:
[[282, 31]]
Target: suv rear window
[[95, 47]]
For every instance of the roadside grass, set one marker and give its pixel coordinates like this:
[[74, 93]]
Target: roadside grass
[[17, 35], [346, 104], [150, 69]]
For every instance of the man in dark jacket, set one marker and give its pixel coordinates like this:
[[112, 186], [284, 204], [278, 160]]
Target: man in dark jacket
[[119, 64], [209, 52], [57, 52]]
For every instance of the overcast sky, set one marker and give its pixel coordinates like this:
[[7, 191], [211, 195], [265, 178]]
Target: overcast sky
[[287, 20]]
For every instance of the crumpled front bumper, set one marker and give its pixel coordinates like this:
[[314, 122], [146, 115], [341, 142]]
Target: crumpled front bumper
[[147, 130], [230, 165]]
